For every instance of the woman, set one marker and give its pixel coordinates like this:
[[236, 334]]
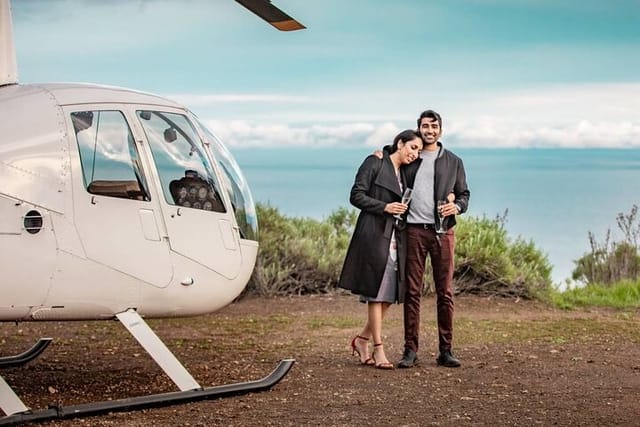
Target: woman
[[374, 265]]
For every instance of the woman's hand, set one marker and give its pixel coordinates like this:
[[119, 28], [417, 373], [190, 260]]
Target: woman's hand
[[395, 208]]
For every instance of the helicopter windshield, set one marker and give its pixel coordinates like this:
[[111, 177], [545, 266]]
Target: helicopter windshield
[[235, 185], [186, 175]]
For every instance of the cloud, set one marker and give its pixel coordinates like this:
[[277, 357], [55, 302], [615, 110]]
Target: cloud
[[491, 132], [562, 103], [481, 133], [216, 99], [568, 116], [242, 134]]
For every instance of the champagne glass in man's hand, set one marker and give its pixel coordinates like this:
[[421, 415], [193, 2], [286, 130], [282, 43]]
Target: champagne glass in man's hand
[[406, 198], [441, 229]]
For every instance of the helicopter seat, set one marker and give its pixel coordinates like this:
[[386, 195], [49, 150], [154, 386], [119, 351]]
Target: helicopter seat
[[121, 189]]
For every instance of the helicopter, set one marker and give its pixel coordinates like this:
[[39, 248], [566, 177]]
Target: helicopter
[[118, 204]]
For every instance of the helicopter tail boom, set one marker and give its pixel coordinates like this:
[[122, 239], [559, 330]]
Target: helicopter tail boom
[[8, 64]]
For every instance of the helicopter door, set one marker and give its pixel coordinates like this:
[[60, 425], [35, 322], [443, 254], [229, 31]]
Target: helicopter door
[[115, 217], [197, 220]]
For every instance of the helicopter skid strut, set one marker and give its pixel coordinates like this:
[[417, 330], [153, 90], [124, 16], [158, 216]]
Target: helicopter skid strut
[[190, 390], [27, 356]]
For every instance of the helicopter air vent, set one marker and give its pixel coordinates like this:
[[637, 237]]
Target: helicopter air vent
[[33, 222]]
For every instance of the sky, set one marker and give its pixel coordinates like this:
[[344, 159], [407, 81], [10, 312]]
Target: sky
[[503, 73]]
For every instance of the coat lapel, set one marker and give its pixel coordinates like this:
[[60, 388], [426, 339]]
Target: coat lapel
[[387, 177]]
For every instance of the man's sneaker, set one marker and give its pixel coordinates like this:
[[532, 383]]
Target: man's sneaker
[[447, 359], [409, 359]]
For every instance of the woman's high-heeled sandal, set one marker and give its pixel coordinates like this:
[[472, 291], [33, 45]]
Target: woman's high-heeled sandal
[[354, 350], [381, 365]]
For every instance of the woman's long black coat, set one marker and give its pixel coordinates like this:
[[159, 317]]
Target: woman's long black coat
[[375, 185]]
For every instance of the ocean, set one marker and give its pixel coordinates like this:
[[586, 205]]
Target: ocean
[[553, 197]]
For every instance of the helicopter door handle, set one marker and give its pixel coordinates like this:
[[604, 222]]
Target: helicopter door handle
[[93, 200]]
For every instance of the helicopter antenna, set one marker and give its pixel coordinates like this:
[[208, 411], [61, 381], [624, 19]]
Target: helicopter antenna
[[8, 67], [270, 13]]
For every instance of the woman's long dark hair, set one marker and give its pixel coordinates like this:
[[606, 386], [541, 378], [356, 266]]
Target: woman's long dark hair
[[404, 137]]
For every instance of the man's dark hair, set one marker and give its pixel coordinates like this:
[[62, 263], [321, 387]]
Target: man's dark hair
[[430, 114]]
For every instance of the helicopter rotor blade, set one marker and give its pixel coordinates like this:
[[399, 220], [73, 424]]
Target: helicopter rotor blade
[[270, 13]]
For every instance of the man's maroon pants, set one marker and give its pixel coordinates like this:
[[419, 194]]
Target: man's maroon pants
[[421, 241]]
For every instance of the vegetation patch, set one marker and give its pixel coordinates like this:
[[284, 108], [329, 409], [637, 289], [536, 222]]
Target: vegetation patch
[[557, 331], [300, 256], [623, 295], [612, 261]]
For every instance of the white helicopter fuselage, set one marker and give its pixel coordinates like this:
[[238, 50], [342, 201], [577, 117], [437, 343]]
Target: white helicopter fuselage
[[118, 204], [103, 207]]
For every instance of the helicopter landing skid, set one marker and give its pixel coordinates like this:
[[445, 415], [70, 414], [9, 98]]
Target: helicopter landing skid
[[27, 356], [190, 390], [154, 400]]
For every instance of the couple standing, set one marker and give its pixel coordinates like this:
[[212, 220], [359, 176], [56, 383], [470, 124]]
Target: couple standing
[[386, 258]]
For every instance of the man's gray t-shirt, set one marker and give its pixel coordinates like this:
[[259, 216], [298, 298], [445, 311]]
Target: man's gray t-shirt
[[422, 199]]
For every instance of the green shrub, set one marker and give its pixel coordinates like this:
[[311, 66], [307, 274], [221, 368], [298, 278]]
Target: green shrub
[[300, 255], [488, 262], [303, 255], [610, 262]]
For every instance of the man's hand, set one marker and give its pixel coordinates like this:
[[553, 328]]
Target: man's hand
[[378, 154], [449, 208]]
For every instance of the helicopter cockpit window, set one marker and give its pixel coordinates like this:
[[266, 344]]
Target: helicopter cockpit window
[[186, 174], [108, 154], [235, 185]]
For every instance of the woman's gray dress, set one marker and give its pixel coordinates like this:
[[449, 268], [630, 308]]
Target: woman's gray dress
[[389, 285]]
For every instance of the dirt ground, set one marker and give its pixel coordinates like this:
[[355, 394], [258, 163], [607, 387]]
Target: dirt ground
[[523, 364]]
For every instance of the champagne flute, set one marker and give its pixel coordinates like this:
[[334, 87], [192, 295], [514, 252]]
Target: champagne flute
[[406, 198], [441, 229]]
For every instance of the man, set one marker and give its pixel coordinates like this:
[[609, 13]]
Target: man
[[438, 175]]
